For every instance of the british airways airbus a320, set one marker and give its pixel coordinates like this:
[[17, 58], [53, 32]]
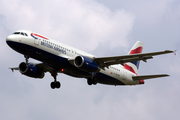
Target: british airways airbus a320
[[60, 58]]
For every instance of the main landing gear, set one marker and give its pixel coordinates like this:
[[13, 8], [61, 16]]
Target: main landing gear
[[55, 84], [92, 80]]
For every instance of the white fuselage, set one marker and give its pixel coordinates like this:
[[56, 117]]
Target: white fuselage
[[56, 48]]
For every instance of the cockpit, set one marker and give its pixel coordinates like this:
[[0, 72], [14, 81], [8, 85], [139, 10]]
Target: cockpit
[[20, 33]]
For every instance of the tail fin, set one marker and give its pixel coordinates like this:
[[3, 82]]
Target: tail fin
[[133, 66]]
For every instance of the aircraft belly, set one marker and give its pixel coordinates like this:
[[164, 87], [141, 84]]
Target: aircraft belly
[[106, 79], [53, 60], [112, 77]]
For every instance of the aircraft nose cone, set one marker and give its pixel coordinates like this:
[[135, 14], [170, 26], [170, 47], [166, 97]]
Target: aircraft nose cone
[[9, 40]]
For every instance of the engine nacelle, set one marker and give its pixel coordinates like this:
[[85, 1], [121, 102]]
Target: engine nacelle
[[30, 70], [86, 64]]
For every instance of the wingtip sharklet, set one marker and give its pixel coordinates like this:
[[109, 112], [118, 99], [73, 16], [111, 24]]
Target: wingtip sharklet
[[11, 69], [170, 51], [174, 52], [14, 69]]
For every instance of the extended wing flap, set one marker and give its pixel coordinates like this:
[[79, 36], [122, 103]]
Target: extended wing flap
[[148, 76]]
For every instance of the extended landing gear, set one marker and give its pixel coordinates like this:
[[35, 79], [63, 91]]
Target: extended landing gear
[[91, 81], [27, 58], [55, 84]]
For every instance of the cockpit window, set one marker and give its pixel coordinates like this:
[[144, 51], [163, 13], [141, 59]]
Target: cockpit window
[[17, 33], [21, 33], [25, 34]]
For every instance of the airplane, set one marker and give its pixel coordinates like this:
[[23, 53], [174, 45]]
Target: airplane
[[57, 58]]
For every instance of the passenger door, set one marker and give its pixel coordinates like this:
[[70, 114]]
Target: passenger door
[[36, 41]]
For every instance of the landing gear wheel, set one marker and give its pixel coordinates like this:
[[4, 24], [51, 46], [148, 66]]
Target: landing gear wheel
[[89, 81], [55, 84], [58, 84], [94, 81]]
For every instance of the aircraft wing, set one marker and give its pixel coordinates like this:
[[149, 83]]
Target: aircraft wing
[[15, 68], [148, 77], [107, 61], [41, 66]]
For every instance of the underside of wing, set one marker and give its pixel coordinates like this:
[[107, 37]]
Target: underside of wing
[[15, 68], [43, 67], [148, 76]]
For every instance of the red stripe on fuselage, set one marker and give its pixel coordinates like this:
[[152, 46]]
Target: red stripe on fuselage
[[137, 50], [39, 36]]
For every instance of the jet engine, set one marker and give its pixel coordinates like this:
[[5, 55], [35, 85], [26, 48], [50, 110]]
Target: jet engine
[[86, 64], [30, 70]]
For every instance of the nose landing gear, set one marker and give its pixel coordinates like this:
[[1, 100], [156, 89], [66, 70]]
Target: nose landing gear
[[55, 83], [27, 58]]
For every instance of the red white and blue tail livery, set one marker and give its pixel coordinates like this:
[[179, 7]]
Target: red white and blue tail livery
[[57, 58], [133, 66]]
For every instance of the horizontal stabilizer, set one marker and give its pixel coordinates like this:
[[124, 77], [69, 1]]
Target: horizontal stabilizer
[[148, 77]]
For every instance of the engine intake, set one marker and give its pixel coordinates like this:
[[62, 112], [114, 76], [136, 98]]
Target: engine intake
[[86, 64], [30, 70]]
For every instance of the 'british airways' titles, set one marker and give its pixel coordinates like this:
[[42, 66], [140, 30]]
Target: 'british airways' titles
[[51, 47]]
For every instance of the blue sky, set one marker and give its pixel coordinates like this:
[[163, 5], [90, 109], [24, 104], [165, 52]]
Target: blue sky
[[103, 28]]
